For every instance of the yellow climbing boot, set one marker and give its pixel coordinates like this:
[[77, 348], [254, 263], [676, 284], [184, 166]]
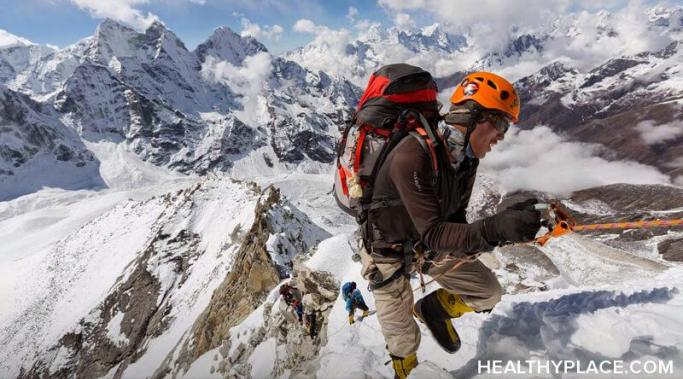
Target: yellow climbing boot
[[403, 366], [452, 303], [435, 310]]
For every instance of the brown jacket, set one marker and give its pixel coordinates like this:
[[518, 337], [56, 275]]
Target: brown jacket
[[431, 210]]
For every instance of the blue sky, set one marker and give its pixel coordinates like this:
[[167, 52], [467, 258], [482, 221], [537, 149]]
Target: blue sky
[[62, 22]]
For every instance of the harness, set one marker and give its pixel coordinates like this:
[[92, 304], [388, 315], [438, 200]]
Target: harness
[[409, 251]]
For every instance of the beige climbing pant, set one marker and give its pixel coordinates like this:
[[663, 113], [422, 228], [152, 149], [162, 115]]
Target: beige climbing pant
[[476, 284]]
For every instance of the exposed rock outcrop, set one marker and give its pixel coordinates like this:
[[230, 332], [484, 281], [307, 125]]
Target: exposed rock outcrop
[[280, 332], [253, 275]]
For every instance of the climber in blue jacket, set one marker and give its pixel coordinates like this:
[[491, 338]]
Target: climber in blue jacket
[[354, 300]]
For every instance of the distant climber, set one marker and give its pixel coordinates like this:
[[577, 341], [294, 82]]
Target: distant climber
[[292, 298], [354, 300], [411, 206]]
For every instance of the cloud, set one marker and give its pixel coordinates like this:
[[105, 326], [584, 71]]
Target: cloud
[[363, 24], [351, 14], [403, 21], [255, 30], [120, 10], [591, 38], [541, 160], [403, 4], [247, 80], [306, 26], [586, 34], [653, 135], [329, 52], [489, 23], [341, 52], [527, 64]]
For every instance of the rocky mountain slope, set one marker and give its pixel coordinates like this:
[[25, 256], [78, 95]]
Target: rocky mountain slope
[[194, 112], [639, 95], [149, 278], [37, 149]]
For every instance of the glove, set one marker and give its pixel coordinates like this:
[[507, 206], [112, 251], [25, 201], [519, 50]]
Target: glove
[[512, 225], [351, 320]]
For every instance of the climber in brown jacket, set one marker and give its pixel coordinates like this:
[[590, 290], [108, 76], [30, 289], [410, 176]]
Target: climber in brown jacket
[[429, 218]]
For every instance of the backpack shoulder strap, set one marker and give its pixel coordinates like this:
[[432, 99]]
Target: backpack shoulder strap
[[429, 145]]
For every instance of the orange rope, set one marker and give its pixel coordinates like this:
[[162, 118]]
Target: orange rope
[[630, 225]]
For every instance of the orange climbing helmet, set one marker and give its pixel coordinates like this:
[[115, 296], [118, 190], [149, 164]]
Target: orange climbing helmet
[[490, 91]]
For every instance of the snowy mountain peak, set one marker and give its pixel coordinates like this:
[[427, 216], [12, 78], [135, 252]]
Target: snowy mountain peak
[[108, 25], [8, 39], [431, 29], [556, 70], [662, 16], [227, 45], [113, 39], [17, 53], [162, 35], [431, 38], [356, 59], [375, 33], [110, 29], [157, 26]]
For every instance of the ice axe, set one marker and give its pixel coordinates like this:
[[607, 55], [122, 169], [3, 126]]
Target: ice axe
[[556, 218]]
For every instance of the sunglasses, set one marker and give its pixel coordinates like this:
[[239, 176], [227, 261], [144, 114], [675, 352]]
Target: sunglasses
[[500, 122]]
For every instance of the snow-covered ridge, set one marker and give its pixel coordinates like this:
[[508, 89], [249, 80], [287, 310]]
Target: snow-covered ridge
[[186, 251], [141, 274], [8, 39]]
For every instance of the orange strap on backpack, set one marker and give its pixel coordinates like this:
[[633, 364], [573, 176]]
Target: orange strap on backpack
[[430, 144]]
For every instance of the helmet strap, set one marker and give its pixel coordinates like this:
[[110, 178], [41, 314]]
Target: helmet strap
[[475, 115], [468, 114]]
